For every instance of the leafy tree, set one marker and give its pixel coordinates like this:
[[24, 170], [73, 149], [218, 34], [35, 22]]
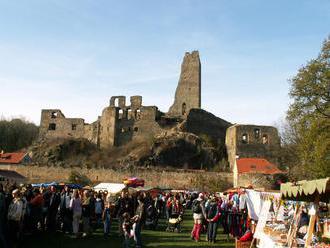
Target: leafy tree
[[16, 134], [308, 134]]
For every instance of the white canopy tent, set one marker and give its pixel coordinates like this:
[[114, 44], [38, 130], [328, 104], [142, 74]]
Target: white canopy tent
[[112, 188]]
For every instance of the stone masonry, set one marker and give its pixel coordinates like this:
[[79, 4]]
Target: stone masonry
[[188, 92], [247, 141], [120, 123]]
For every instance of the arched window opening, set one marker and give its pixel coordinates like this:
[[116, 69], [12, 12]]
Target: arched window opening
[[184, 108], [138, 114], [257, 133], [244, 138], [120, 114], [116, 102], [265, 139]]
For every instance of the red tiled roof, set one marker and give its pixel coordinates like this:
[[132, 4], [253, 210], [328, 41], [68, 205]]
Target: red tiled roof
[[12, 158], [256, 165]]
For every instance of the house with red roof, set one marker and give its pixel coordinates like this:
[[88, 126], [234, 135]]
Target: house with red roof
[[14, 158], [248, 167]]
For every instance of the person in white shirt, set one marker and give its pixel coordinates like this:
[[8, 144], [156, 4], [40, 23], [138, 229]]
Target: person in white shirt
[[15, 216]]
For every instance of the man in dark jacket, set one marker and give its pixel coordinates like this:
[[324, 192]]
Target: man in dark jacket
[[213, 215], [124, 205], [65, 211], [54, 202]]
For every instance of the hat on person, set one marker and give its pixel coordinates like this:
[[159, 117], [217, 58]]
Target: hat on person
[[15, 191]]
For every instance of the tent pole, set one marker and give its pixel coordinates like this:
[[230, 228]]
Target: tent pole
[[312, 220]]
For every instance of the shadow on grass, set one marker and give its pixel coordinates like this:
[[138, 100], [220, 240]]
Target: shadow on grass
[[158, 238]]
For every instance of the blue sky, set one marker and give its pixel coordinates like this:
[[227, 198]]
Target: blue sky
[[74, 55]]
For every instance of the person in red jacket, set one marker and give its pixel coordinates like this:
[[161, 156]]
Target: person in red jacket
[[37, 202]]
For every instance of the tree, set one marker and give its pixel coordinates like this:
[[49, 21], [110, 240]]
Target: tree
[[16, 134], [308, 116]]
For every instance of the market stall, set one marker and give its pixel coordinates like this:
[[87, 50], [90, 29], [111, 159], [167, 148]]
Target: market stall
[[301, 219], [315, 193], [245, 207]]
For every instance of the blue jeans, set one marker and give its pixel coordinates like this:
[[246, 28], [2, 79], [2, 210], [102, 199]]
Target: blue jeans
[[107, 224], [212, 231]]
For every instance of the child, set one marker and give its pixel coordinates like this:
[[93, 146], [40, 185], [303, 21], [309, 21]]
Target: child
[[106, 217], [126, 228]]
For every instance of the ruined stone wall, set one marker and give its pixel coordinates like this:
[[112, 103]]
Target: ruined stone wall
[[188, 91], [91, 132], [142, 125], [121, 124], [107, 130], [54, 124], [247, 141], [153, 177]]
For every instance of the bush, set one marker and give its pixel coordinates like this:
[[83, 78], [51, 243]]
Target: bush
[[79, 178]]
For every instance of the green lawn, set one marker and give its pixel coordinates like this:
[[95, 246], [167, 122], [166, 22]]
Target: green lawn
[[158, 238]]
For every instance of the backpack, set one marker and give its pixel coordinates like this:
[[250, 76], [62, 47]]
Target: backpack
[[196, 207]]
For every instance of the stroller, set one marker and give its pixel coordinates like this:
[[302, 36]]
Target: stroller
[[174, 223], [151, 217]]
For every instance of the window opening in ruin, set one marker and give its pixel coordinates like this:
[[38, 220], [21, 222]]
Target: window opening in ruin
[[136, 129], [53, 115], [184, 108], [129, 129], [129, 114], [52, 126], [257, 133], [245, 138], [138, 114], [74, 126], [120, 114], [265, 139], [116, 102]]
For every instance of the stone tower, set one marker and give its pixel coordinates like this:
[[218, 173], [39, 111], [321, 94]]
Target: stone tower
[[188, 91]]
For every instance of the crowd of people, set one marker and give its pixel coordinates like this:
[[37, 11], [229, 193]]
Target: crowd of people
[[27, 210]]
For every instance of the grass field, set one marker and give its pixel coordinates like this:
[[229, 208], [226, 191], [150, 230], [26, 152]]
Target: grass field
[[157, 238]]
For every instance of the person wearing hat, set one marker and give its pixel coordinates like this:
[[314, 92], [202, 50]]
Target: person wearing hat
[[15, 215], [198, 209]]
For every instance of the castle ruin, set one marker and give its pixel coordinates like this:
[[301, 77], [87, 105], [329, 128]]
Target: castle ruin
[[122, 122]]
